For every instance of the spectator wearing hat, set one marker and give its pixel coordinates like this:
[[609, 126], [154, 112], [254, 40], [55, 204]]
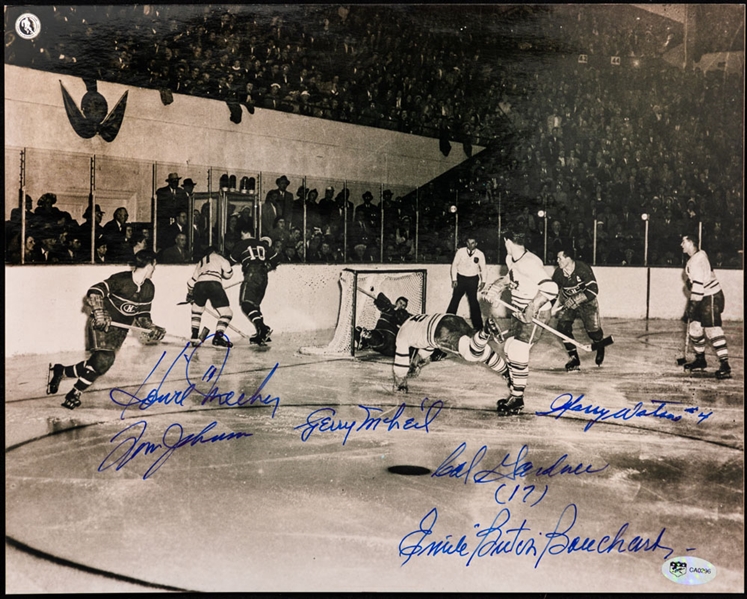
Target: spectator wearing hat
[[170, 199], [46, 211], [390, 212], [313, 219], [49, 245], [189, 187], [327, 206], [271, 211], [273, 100], [101, 249], [368, 212], [284, 202], [90, 226]]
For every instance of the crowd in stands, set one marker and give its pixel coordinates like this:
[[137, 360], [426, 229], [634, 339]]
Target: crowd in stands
[[585, 145]]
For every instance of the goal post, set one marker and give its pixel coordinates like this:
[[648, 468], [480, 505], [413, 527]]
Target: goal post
[[358, 288]]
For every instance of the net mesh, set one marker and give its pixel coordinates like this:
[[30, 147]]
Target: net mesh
[[358, 309]]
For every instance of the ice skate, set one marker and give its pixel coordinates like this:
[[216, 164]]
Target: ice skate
[[511, 406], [72, 399], [574, 364], [699, 363], [220, 340], [54, 379], [724, 370]]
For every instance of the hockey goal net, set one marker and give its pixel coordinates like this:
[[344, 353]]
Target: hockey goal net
[[357, 307]]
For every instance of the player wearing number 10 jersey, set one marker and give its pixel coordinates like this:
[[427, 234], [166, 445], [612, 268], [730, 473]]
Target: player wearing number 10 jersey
[[256, 258]]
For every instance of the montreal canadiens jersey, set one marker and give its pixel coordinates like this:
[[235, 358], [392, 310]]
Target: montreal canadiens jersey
[[700, 274], [253, 254], [123, 299], [212, 267], [529, 278], [581, 279]]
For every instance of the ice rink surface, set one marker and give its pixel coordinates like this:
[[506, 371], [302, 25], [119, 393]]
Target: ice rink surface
[[644, 464]]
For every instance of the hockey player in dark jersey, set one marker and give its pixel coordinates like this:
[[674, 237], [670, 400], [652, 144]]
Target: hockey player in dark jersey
[[205, 285], [123, 298], [577, 298], [256, 258], [382, 338]]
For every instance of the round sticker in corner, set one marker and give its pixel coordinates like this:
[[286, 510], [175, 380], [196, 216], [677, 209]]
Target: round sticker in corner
[[688, 570], [28, 26]]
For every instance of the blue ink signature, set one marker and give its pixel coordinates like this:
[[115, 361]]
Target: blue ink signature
[[212, 375], [129, 447], [503, 537], [323, 421], [510, 468], [566, 402]]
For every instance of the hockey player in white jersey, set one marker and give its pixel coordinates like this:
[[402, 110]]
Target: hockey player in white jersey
[[704, 308], [206, 285], [420, 335], [532, 293]]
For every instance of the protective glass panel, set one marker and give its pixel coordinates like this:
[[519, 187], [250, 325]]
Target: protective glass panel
[[364, 232], [123, 190], [59, 184], [171, 191]]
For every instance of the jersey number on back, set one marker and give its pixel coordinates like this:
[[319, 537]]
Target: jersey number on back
[[260, 252]]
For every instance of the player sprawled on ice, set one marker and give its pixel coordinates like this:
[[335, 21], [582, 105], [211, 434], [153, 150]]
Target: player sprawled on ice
[[704, 308], [384, 335], [206, 285], [257, 259], [577, 299], [122, 299], [420, 335], [532, 295]]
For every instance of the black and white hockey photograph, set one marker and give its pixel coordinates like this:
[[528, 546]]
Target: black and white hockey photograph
[[374, 298]]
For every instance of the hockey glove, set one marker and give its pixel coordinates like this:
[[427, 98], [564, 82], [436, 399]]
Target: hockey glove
[[190, 297], [573, 301], [491, 293], [101, 318], [154, 336], [527, 314]]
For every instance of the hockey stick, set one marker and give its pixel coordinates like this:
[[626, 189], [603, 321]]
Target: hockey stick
[[203, 334], [226, 287], [214, 314], [683, 360], [594, 346], [368, 293]]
